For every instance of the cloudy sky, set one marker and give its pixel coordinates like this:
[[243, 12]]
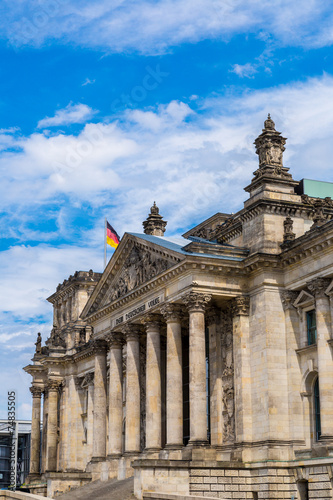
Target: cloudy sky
[[106, 106]]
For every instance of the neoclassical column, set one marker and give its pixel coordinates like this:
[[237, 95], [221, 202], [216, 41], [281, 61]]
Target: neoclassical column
[[35, 430], [196, 304], [132, 426], [52, 425], [325, 364], [215, 366], [99, 422], [242, 366], [44, 430], [174, 374], [115, 396], [153, 383]]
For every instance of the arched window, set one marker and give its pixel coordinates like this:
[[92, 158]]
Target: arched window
[[316, 406]]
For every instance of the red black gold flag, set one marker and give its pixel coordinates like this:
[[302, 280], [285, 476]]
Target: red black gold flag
[[112, 237]]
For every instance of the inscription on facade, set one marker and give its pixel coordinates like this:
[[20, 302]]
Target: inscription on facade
[[138, 310]]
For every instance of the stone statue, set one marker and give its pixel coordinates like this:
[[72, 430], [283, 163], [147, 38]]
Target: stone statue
[[38, 344]]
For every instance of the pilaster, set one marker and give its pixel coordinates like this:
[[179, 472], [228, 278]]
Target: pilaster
[[318, 287]]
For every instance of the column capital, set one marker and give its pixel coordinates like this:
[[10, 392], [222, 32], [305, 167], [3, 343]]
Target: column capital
[[151, 319], [53, 385], [171, 312], [99, 346], [318, 287], [131, 332], [288, 298], [36, 391], [116, 340], [241, 306], [196, 302]]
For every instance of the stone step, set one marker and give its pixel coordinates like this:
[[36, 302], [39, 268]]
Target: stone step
[[102, 490]]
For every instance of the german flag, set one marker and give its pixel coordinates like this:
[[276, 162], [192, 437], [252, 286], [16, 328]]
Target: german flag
[[112, 237]]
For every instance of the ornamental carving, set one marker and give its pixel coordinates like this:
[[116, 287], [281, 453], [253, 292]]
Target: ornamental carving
[[140, 266], [228, 410], [288, 298], [171, 312], [131, 332], [53, 385], [288, 234], [56, 339], [116, 341], [36, 391], [196, 301], [318, 287], [151, 320], [99, 346], [241, 306]]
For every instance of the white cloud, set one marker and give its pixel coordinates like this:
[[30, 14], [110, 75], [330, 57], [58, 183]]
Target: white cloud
[[247, 70], [88, 82], [73, 113], [155, 27]]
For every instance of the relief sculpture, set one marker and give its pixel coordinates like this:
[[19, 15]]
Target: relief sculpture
[[141, 266], [228, 410]]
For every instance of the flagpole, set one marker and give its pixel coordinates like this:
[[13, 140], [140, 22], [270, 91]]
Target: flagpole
[[105, 244]]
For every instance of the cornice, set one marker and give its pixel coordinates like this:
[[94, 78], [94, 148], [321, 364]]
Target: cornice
[[310, 243]]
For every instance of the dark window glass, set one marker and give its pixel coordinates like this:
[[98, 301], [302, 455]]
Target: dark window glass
[[317, 409], [311, 327]]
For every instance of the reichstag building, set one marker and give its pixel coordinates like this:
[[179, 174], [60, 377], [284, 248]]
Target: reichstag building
[[203, 367]]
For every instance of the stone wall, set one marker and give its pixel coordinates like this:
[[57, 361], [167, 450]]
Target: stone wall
[[262, 483]]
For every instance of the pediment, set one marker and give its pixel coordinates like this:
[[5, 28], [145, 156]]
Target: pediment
[[304, 299], [135, 264]]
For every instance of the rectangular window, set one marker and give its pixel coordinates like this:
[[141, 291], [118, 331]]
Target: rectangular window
[[311, 327]]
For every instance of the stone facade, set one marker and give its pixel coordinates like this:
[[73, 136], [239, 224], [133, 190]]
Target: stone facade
[[202, 368]]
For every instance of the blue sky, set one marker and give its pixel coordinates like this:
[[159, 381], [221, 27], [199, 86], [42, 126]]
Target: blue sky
[[108, 106]]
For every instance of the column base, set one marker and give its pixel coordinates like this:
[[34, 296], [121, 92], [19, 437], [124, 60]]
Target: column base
[[128, 454], [97, 459], [172, 446], [198, 443], [152, 450], [111, 456]]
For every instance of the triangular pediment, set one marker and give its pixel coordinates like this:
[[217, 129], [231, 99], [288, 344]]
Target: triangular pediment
[[134, 263], [304, 299]]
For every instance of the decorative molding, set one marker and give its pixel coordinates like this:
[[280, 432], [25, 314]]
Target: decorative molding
[[196, 302], [288, 297], [318, 287], [241, 305], [171, 312], [36, 391], [53, 385]]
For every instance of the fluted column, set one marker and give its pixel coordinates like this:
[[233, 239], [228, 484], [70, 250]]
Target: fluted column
[[242, 364], [215, 367], [196, 304], [99, 423], [153, 383], [35, 430], [52, 425], [325, 363], [174, 382], [132, 427], [115, 397]]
